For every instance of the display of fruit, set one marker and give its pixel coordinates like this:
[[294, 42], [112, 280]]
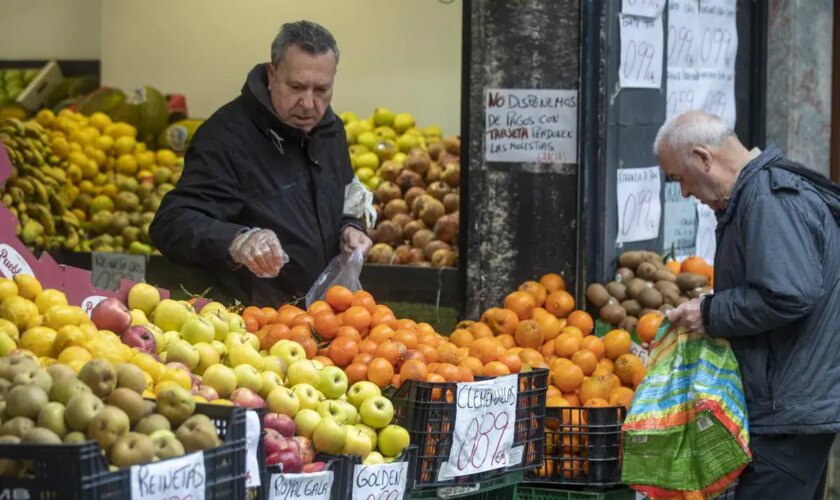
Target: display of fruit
[[14, 81], [415, 175], [49, 403], [643, 283], [84, 183]]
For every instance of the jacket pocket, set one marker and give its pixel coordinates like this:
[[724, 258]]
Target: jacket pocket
[[754, 358]]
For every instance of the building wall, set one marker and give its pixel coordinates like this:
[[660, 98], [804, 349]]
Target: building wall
[[50, 29]]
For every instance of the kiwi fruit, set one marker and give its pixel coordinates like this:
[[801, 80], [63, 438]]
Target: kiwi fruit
[[635, 287], [647, 310], [650, 298], [632, 307], [664, 275], [597, 295], [652, 257], [646, 271], [690, 281], [624, 274], [669, 297], [628, 323], [617, 290], [667, 286], [612, 313], [681, 300], [666, 307], [630, 259]]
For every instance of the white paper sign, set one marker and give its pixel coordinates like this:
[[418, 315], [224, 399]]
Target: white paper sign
[[252, 443], [182, 477], [89, 303], [639, 208], [683, 40], [641, 52], [717, 34], [380, 482], [485, 417], [645, 8], [679, 222], [312, 486], [13, 262], [524, 125], [706, 241], [711, 90]]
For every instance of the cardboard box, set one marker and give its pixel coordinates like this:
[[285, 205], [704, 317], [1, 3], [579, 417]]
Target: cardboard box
[[40, 88]]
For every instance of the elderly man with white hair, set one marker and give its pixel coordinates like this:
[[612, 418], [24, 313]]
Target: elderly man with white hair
[[776, 298]]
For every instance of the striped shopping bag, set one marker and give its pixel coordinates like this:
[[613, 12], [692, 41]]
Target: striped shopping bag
[[686, 434]]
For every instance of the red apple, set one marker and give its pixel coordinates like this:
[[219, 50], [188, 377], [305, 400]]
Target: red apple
[[273, 442], [282, 423], [307, 452], [288, 460], [140, 338], [247, 398], [111, 314], [314, 467], [206, 392]]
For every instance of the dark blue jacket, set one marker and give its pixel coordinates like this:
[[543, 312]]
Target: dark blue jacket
[[777, 294]]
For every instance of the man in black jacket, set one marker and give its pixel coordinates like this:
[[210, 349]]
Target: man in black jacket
[[776, 297], [261, 198]]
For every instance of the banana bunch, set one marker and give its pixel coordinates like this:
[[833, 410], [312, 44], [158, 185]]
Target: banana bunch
[[37, 192]]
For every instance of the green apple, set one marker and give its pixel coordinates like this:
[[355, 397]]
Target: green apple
[[169, 337], [318, 364], [307, 395], [357, 443], [333, 382], [283, 400], [251, 338], [245, 355], [377, 412], [329, 436], [400, 158], [337, 411], [157, 333], [247, 376], [383, 117], [393, 440], [207, 356], [175, 403], [219, 347], [221, 326], [197, 329], [220, 377], [143, 297], [236, 323], [407, 142], [51, 416], [374, 458], [305, 422], [7, 344], [368, 140], [270, 381], [303, 371], [403, 122], [274, 364], [212, 308], [170, 315], [370, 432], [138, 317], [362, 390], [184, 352], [289, 352]]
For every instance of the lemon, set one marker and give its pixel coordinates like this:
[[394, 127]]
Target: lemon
[[86, 186], [104, 143], [82, 137], [74, 353], [9, 329], [163, 385], [45, 117], [69, 336], [61, 147], [100, 120], [145, 160], [89, 328], [122, 129], [19, 311], [166, 158], [148, 364], [127, 164], [28, 286], [48, 298], [60, 315], [39, 340], [110, 190], [90, 169], [141, 147], [46, 361], [75, 147], [180, 377], [221, 402], [148, 394], [7, 344], [98, 156], [125, 145], [76, 365], [150, 382], [7, 288], [78, 158]]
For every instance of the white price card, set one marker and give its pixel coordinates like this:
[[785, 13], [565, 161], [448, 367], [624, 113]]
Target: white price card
[[181, 477], [311, 486], [252, 443], [641, 52], [485, 417], [380, 482], [679, 222], [683, 39], [706, 239], [645, 8], [530, 125], [717, 34], [639, 207]]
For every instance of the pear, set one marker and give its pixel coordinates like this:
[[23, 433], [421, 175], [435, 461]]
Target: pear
[[131, 403], [100, 375], [25, 401]]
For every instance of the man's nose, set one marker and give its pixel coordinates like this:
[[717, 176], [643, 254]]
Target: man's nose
[[308, 100]]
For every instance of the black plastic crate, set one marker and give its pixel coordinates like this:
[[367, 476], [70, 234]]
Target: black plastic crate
[[504, 487], [582, 446], [581, 493], [340, 465], [79, 471], [427, 410]]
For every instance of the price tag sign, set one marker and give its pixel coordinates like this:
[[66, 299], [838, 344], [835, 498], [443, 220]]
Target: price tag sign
[[485, 418], [380, 482], [252, 442], [182, 477], [641, 52], [646, 8], [706, 239], [639, 207], [679, 222], [312, 486], [109, 268]]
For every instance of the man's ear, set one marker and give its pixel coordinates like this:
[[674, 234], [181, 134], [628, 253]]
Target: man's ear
[[269, 69], [705, 156]]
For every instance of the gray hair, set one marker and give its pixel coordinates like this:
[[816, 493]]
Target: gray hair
[[694, 128], [311, 37]]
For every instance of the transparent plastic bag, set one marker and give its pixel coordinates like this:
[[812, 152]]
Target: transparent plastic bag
[[342, 270]]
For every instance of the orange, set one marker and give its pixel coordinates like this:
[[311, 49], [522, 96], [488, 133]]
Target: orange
[[560, 303], [567, 377], [550, 326], [251, 323], [507, 341], [594, 344], [522, 303], [648, 325], [317, 307], [463, 352], [548, 349], [407, 324], [342, 350], [339, 298], [435, 378], [596, 403], [574, 331], [406, 337], [512, 361], [673, 266], [466, 375], [500, 320], [480, 330], [616, 343], [382, 308], [595, 387], [495, 369], [380, 371], [626, 367], [310, 347], [381, 333], [425, 328], [565, 345], [390, 350], [448, 371], [367, 346], [581, 320], [531, 357], [383, 318], [363, 299], [362, 357], [429, 352], [300, 333], [572, 398], [324, 360], [356, 372], [474, 364], [413, 369], [639, 376], [270, 315], [461, 337], [558, 362], [326, 325], [621, 396], [695, 265], [529, 334], [536, 290], [486, 350], [605, 367], [256, 313], [349, 331], [586, 360], [447, 353], [552, 392], [396, 381], [358, 317], [556, 402], [553, 282], [303, 320], [288, 312]]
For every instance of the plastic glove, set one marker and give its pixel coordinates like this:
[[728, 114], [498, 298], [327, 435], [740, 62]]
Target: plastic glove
[[688, 315], [353, 239], [259, 250]]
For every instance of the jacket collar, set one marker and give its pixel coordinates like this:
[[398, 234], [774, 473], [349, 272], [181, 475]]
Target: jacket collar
[[769, 155], [258, 105]]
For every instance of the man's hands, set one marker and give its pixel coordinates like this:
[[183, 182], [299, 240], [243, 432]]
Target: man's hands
[[687, 315], [353, 239], [259, 250]]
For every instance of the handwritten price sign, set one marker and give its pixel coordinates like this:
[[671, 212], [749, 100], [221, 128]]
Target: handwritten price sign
[[311, 486], [252, 443], [641, 52], [181, 478], [380, 482], [639, 207], [484, 423], [109, 268], [645, 8]]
